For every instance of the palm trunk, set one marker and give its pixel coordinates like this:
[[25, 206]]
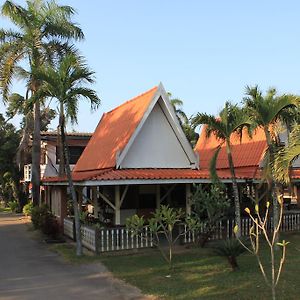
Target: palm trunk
[[61, 170], [72, 188], [237, 208], [24, 142], [273, 183], [36, 156]]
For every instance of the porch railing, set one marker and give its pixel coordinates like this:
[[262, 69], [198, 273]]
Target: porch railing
[[117, 239]]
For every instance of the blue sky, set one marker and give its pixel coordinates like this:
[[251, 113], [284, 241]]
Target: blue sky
[[204, 52]]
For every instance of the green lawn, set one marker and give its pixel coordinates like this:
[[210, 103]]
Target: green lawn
[[199, 274]]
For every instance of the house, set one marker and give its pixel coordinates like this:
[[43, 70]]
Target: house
[[139, 158], [50, 159]]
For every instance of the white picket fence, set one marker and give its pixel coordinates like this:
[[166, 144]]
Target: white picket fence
[[88, 238], [224, 228], [69, 228], [117, 239]]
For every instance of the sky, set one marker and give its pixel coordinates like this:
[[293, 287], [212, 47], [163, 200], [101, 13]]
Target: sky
[[204, 52]]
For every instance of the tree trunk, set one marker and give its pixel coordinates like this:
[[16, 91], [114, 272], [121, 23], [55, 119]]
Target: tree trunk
[[36, 156], [62, 165], [237, 208], [72, 188], [273, 183], [24, 143]]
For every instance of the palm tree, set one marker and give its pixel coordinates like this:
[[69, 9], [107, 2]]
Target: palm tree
[[285, 157], [231, 121], [266, 112], [43, 32], [184, 121], [66, 84]]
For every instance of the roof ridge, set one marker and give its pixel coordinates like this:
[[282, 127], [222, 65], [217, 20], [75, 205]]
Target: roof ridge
[[132, 99]]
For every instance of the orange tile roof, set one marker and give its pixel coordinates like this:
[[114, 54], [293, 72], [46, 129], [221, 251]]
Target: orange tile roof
[[113, 133], [112, 174], [245, 152]]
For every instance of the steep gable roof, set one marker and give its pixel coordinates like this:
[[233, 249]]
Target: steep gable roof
[[246, 152], [113, 133]]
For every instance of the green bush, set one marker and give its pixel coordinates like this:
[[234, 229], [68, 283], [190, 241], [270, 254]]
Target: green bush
[[44, 220], [50, 226], [38, 214], [231, 249], [27, 209], [13, 205]]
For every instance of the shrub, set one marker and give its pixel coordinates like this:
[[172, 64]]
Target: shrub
[[231, 249], [44, 220], [38, 214], [50, 226], [13, 205], [27, 209]]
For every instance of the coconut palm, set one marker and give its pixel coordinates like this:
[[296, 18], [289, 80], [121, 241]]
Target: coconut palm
[[285, 157], [42, 32], [66, 84], [267, 112], [231, 121]]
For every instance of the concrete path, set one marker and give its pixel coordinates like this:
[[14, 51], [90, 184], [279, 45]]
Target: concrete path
[[29, 271]]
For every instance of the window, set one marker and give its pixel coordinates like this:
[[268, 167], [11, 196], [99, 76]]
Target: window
[[74, 152]]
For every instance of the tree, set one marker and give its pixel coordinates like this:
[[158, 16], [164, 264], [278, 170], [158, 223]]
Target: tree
[[265, 112], [184, 121], [66, 84], [161, 226], [231, 121], [19, 105], [209, 207], [9, 139], [42, 34], [259, 230], [286, 155]]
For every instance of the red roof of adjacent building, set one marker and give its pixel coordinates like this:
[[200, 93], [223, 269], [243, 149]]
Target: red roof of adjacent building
[[113, 133], [246, 152]]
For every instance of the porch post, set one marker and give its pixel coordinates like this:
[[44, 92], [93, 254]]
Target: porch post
[[157, 196], [80, 190], [95, 201], [117, 205], [188, 198]]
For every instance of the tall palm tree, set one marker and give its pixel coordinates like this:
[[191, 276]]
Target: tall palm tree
[[285, 157], [266, 112], [66, 84], [231, 121], [43, 32]]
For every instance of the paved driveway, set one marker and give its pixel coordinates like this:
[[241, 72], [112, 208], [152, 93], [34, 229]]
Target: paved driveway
[[29, 271]]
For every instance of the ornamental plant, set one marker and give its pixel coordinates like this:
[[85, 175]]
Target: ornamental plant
[[161, 226], [259, 230]]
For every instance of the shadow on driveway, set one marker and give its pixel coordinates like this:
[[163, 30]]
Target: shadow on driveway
[[28, 270]]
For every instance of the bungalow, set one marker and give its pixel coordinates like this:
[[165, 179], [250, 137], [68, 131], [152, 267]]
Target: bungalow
[[139, 158]]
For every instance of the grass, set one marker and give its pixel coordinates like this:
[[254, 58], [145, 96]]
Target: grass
[[198, 273]]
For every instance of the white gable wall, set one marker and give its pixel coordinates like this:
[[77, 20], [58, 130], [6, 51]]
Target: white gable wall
[[156, 145]]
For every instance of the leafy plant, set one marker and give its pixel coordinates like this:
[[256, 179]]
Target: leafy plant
[[258, 230], [231, 249], [13, 205], [162, 225], [38, 214], [209, 207], [27, 209]]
